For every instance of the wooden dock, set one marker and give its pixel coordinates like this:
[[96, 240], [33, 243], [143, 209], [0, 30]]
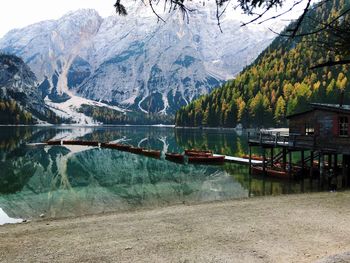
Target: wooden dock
[[228, 159], [318, 157], [239, 160]]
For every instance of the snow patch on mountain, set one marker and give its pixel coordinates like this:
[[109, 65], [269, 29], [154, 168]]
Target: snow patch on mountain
[[69, 109], [134, 62]]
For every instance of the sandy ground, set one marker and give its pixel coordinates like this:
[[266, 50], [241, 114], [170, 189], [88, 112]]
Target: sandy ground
[[295, 228]]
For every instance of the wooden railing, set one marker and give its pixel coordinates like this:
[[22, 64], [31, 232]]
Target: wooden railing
[[292, 140], [300, 141], [266, 137]]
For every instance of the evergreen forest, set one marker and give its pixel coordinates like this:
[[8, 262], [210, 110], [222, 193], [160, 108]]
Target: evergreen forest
[[280, 82]]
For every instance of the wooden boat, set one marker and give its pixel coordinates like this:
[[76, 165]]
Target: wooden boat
[[151, 153], [117, 146], [53, 142], [136, 150], [205, 153], [90, 143], [258, 170], [197, 151], [207, 159], [72, 142], [78, 142], [175, 157]]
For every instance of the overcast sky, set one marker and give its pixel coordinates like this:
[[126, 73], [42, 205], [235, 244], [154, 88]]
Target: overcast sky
[[20, 13]]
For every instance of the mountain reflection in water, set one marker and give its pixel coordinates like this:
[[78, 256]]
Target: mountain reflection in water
[[61, 181]]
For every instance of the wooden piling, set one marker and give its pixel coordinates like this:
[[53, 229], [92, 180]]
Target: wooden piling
[[271, 156], [321, 167], [284, 152], [335, 169], [290, 164], [311, 167], [345, 170], [250, 170], [264, 162], [250, 160], [302, 163]]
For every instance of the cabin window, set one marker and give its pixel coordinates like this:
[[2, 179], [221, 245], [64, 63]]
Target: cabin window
[[343, 126], [309, 129]]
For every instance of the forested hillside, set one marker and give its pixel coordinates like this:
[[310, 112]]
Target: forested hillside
[[20, 99], [279, 82], [12, 113]]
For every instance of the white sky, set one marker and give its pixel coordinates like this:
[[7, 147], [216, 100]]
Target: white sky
[[20, 13]]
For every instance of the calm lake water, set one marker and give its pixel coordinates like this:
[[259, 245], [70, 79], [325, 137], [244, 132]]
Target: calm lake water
[[61, 181]]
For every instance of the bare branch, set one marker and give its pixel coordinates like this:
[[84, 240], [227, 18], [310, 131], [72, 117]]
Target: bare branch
[[283, 13], [154, 11], [331, 63], [300, 20], [259, 15], [217, 16]]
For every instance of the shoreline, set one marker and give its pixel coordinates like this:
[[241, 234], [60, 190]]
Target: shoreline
[[88, 125], [287, 228]]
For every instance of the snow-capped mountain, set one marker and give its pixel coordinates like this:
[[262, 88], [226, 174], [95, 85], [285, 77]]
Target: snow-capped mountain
[[134, 62]]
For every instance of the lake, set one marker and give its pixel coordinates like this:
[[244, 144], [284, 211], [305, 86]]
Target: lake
[[63, 181]]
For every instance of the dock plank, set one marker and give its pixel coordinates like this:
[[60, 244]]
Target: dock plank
[[233, 159]]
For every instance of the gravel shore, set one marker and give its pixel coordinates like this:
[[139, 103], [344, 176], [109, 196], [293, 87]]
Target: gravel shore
[[291, 228]]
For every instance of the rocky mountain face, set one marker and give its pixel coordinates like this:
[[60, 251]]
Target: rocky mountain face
[[18, 83], [135, 62]]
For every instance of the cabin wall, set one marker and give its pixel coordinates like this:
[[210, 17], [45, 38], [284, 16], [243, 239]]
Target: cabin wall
[[326, 129], [326, 120], [298, 122]]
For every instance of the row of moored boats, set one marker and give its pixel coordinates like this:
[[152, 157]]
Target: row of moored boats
[[191, 156]]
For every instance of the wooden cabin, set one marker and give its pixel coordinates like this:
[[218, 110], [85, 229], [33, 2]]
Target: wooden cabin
[[325, 126], [322, 133]]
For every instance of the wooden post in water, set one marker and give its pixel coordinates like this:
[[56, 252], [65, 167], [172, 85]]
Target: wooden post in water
[[264, 162], [250, 160], [302, 163], [345, 170], [302, 170], [271, 157], [311, 167], [321, 167], [284, 158], [250, 170], [290, 164], [264, 170], [335, 168]]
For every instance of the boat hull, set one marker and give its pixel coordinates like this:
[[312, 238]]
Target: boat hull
[[135, 150], [151, 153], [53, 143], [117, 146], [175, 157], [82, 143], [258, 170]]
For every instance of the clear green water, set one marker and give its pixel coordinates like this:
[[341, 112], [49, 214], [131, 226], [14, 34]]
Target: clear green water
[[61, 181]]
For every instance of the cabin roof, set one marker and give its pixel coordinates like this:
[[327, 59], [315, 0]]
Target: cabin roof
[[324, 107]]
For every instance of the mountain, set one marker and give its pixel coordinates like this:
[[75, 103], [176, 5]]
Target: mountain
[[279, 82], [20, 99], [134, 62]]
